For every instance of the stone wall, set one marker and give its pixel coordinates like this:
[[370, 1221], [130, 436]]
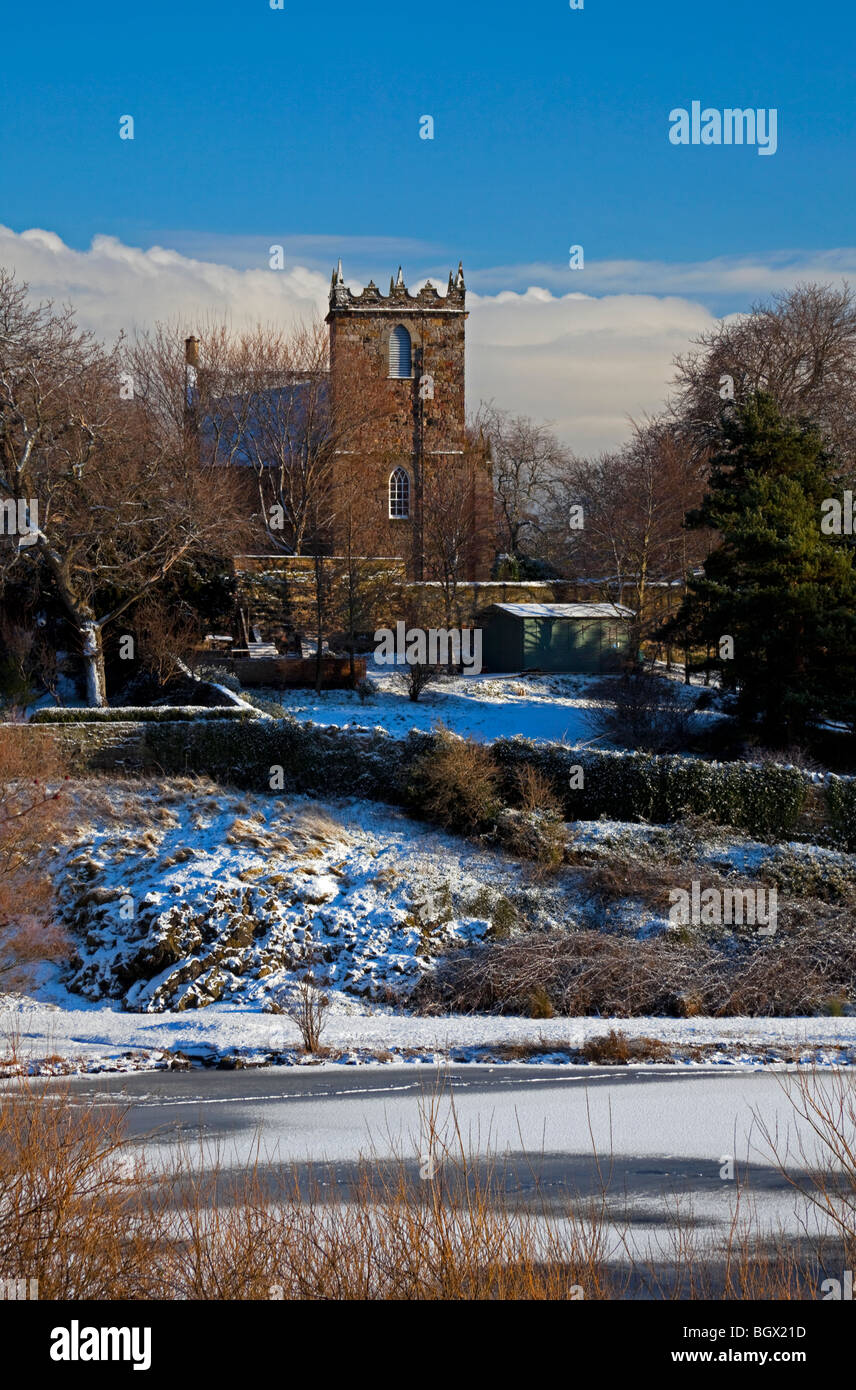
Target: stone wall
[[278, 592]]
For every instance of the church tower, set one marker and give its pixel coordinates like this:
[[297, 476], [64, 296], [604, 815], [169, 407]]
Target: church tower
[[398, 359]]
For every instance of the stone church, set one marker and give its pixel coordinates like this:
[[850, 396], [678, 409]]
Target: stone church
[[406, 488], [427, 494]]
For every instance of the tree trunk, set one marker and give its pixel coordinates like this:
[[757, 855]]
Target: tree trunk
[[319, 620], [93, 661]]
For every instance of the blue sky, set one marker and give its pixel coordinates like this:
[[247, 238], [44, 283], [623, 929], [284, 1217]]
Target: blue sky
[[257, 127], [551, 126]]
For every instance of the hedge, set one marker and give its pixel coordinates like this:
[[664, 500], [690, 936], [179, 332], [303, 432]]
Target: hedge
[[841, 812], [314, 759], [763, 799], [134, 714], [232, 745]]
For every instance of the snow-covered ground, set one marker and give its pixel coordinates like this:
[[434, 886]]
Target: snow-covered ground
[[194, 908], [181, 893], [101, 1036], [548, 708]]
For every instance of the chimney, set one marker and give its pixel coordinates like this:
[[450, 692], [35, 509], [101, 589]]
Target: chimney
[[191, 351]]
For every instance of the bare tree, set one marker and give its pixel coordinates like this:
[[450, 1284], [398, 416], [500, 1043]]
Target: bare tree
[[415, 677], [800, 348], [166, 636], [109, 485], [452, 534], [307, 1010], [526, 458], [617, 520], [306, 1004]]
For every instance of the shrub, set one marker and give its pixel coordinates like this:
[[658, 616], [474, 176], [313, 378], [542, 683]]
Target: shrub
[[416, 677], [643, 711], [536, 791], [33, 812], [537, 835], [802, 874], [537, 829], [841, 812], [540, 1005], [810, 960], [616, 1049], [307, 1009], [455, 783]]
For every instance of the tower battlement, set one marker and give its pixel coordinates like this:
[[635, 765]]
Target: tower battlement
[[399, 300]]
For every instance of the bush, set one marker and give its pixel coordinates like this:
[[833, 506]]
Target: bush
[[307, 1008], [810, 961], [803, 874], [416, 677], [617, 1049], [537, 829], [34, 814], [455, 783], [537, 835], [643, 711], [841, 812]]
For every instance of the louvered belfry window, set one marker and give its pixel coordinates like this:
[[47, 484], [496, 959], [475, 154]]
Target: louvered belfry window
[[399, 352], [399, 494]]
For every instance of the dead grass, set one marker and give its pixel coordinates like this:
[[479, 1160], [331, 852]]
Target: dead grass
[[315, 826], [617, 1049], [35, 813], [178, 856], [246, 832], [808, 967]]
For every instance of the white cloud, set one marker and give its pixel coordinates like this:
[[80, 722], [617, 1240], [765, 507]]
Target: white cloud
[[114, 286], [732, 279], [586, 363]]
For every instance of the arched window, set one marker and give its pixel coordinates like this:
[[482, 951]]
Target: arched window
[[400, 360], [399, 494]]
